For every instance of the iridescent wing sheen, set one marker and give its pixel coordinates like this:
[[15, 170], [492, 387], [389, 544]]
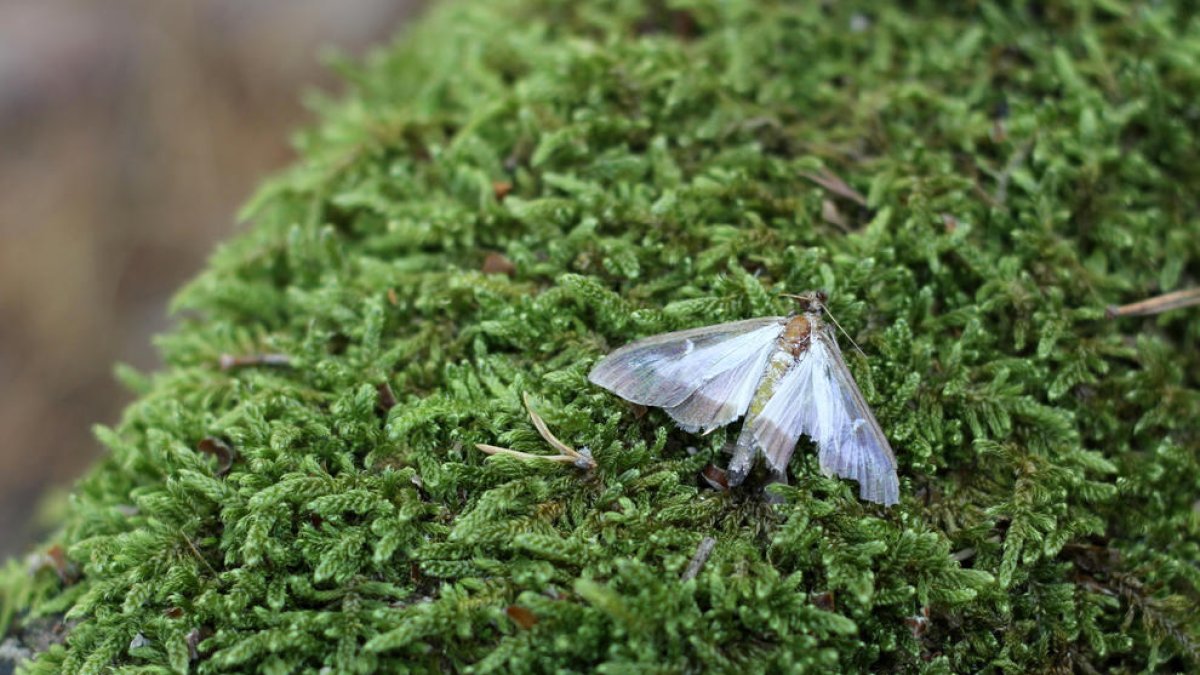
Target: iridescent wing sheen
[[703, 377], [871, 461], [790, 412], [725, 397], [818, 397]]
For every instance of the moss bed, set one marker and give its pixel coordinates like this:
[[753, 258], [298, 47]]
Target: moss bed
[[516, 187]]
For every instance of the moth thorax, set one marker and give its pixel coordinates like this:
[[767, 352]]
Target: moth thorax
[[795, 334]]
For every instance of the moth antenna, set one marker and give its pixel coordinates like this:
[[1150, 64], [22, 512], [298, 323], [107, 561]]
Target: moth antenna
[[835, 322], [807, 298]]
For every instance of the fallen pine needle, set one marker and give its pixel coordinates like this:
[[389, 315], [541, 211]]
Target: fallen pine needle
[[567, 454], [1157, 305], [834, 183]]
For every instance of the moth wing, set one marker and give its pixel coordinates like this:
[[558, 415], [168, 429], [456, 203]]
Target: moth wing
[[725, 397], [789, 412], [818, 397], [664, 370], [862, 451]]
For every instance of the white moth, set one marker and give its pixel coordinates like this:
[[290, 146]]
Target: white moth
[[785, 374]]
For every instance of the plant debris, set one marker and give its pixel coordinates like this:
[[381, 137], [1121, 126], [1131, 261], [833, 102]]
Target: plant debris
[[581, 459]]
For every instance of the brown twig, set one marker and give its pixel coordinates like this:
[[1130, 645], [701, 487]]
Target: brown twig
[[229, 361], [834, 183], [1154, 615], [697, 563], [1156, 305], [387, 397], [197, 552]]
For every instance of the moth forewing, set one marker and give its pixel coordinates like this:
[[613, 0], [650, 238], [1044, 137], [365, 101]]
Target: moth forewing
[[665, 370], [725, 397]]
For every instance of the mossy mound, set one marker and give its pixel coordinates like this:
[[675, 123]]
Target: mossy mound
[[644, 168]]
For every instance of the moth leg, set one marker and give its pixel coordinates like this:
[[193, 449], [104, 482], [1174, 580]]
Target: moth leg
[[743, 459]]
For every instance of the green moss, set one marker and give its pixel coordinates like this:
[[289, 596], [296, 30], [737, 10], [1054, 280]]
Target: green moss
[[1023, 169]]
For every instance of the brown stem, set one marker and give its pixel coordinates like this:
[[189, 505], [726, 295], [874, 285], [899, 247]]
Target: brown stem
[[229, 361], [1157, 305], [702, 552]]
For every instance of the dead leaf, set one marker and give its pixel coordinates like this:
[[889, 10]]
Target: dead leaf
[[521, 616], [824, 601], [498, 263], [55, 558], [918, 624], [387, 398], [219, 449], [715, 477]]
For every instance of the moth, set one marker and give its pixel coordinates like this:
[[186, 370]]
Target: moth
[[785, 374]]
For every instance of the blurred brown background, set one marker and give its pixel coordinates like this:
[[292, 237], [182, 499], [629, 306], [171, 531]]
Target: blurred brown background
[[130, 133]]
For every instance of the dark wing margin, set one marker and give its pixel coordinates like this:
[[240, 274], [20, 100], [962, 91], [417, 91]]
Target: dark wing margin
[[666, 370], [819, 397]]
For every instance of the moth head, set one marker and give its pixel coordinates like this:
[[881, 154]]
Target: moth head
[[810, 301]]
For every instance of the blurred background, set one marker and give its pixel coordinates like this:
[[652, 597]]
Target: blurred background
[[130, 133]]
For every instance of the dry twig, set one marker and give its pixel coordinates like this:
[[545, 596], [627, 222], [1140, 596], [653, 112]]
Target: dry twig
[[230, 361], [1157, 305], [834, 183], [567, 455], [702, 552]]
